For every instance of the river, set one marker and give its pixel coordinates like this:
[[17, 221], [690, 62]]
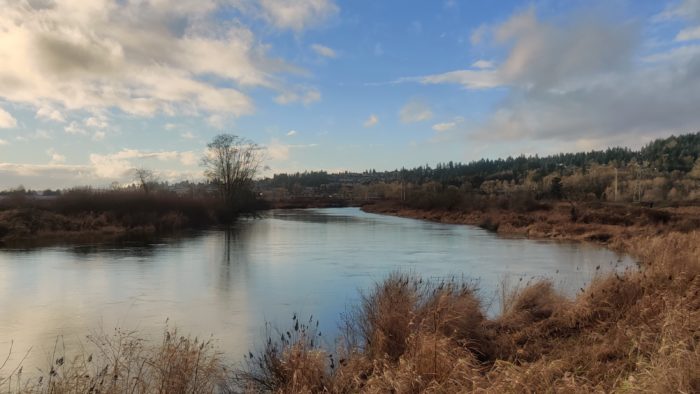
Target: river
[[229, 283]]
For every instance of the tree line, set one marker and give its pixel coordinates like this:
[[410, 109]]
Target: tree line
[[664, 155]]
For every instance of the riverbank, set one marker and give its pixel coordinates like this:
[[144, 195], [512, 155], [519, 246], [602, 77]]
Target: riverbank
[[614, 225]]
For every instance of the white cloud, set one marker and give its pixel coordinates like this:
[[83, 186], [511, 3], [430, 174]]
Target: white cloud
[[46, 112], [291, 133], [102, 169], [39, 134], [545, 55], [188, 158], [56, 158], [684, 9], [324, 51], [7, 121], [447, 126], [580, 79], [216, 121], [75, 129], [297, 15], [304, 95], [481, 64], [109, 166], [470, 79], [576, 83], [689, 34], [117, 165], [96, 121], [170, 126], [40, 175], [188, 135], [3, 142], [277, 150], [141, 57], [99, 135], [371, 121], [625, 107], [477, 35], [415, 111]]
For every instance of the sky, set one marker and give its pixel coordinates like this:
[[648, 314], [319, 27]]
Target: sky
[[90, 89]]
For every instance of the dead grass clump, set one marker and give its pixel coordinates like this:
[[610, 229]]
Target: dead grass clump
[[606, 299], [383, 321], [451, 309], [536, 302], [290, 362]]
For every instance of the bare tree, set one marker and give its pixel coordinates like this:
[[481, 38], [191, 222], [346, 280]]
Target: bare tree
[[145, 178], [231, 162]]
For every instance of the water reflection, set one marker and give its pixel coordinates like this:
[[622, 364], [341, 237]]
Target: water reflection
[[229, 282]]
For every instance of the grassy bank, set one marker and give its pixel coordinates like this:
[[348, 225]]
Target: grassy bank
[[615, 225], [103, 214]]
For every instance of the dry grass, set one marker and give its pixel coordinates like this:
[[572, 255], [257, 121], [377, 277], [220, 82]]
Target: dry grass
[[125, 363]]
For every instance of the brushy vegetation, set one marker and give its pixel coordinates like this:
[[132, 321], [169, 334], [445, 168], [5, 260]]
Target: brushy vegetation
[[82, 211]]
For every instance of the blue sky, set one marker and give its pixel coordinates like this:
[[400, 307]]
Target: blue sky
[[91, 89]]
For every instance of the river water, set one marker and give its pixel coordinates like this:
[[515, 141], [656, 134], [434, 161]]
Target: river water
[[229, 283]]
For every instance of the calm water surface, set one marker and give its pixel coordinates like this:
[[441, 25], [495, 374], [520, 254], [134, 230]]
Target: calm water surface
[[229, 283]]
